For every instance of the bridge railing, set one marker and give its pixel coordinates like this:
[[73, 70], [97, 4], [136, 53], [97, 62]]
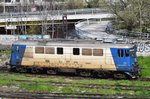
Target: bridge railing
[[137, 35], [82, 33], [85, 11], [54, 12]]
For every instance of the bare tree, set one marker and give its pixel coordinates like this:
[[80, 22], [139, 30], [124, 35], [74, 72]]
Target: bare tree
[[74, 4], [131, 13]]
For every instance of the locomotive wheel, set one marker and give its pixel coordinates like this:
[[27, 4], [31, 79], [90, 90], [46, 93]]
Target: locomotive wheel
[[120, 76], [13, 69], [34, 70], [101, 74], [84, 73], [21, 69], [94, 74], [51, 71]]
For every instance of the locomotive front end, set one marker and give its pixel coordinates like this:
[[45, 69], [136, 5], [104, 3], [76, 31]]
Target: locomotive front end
[[135, 70], [126, 61]]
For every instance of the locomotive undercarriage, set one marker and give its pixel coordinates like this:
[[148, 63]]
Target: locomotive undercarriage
[[79, 72]]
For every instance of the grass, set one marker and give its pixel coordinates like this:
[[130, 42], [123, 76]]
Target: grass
[[40, 84], [8, 52], [144, 62], [43, 84]]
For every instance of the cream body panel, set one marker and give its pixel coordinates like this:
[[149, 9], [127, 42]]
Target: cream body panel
[[68, 60]]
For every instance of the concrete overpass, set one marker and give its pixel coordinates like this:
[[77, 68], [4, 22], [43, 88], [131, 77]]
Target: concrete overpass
[[76, 14]]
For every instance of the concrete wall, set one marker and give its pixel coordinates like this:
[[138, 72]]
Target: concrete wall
[[143, 49], [9, 39]]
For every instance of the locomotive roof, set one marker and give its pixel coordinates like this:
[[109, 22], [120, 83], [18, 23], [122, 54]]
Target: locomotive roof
[[71, 43]]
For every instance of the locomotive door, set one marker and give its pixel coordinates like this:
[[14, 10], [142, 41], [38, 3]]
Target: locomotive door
[[122, 58], [68, 55], [109, 58], [17, 54]]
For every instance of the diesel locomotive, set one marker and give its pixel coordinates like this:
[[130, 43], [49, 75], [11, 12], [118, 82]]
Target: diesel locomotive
[[85, 58]]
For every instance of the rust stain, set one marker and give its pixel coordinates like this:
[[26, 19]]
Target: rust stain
[[56, 62], [28, 54]]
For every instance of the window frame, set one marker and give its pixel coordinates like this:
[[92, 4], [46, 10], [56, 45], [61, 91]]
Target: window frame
[[17, 0], [7, 1], [61, 50], [120, 53], [100, 54], [132, 52], [127, 52], [84, 51], [46, 48], [42, 49], [76, 52]]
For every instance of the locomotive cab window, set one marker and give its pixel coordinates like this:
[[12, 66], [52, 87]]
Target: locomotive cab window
[[132, 52], [12, 50], [17, 0], [120, 53], [7, 0], [59, 50], [97, 52], [17, 48], [86, 52], [50, 50], [76, 51], [127, 53], [39, 50]]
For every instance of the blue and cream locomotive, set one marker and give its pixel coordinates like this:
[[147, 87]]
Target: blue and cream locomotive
[[86, 58]]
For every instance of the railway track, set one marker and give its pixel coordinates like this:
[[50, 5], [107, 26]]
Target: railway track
[[145, 79], [29, 95], [96, 86], [20, 95]]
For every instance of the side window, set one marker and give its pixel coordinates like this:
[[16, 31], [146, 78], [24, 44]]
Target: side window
[[132, 52], [86, 52], [7, 0], [39, 50], [59, 50], [127, 53], [120, 52], [49, 50], [17, 48], [17, 0], [12, 50], [76, 51], [97, 52]]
